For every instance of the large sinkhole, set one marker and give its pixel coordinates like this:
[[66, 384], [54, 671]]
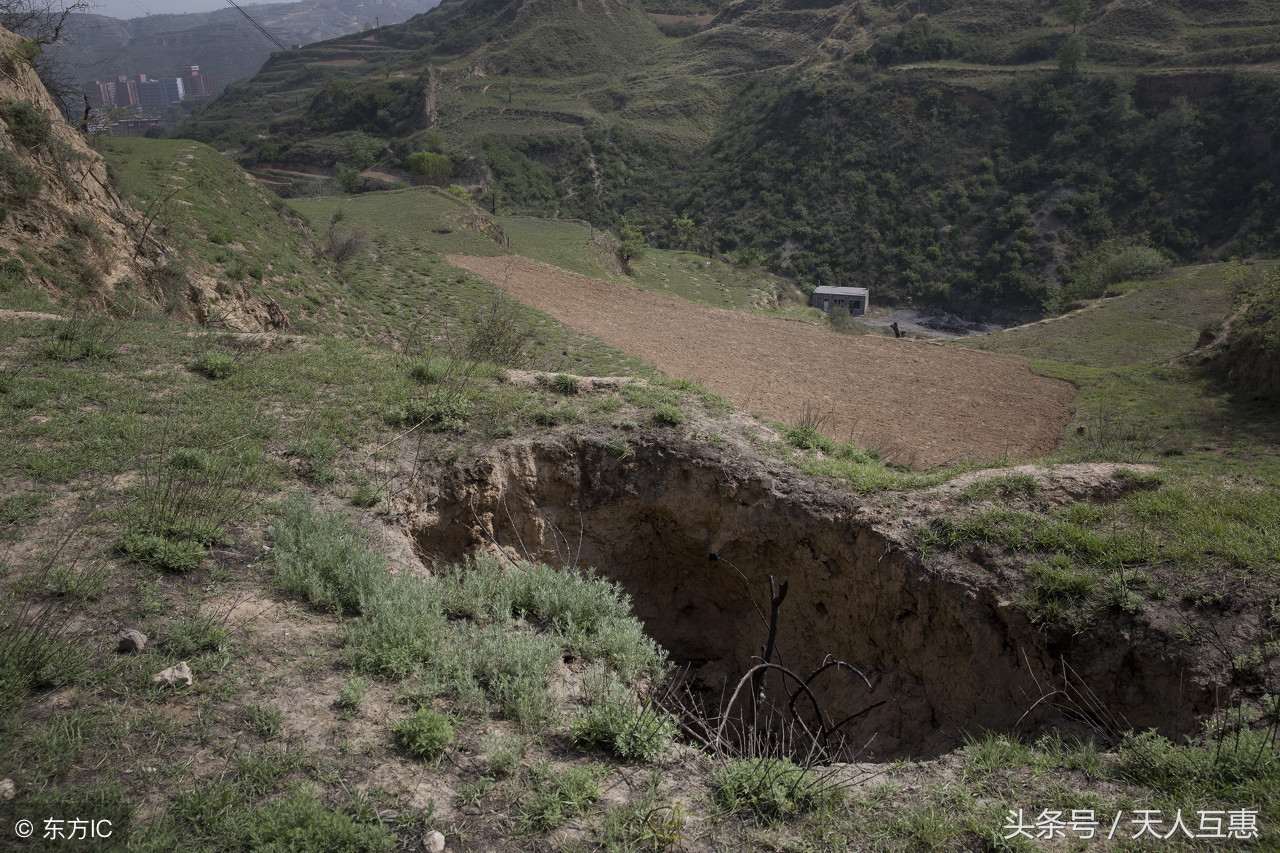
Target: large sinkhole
[[693, 534]]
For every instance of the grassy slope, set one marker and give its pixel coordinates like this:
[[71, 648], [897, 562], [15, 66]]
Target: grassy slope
[[93, 436], [567, 244], [1125, 354]]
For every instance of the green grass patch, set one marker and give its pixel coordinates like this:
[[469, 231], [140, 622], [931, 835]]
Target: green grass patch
[[425, 734], [325, 559], [616, 721], [1006, 487], [771, 789], [558, 796]]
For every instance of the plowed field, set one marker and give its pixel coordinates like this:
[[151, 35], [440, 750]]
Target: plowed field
[[919, 403]]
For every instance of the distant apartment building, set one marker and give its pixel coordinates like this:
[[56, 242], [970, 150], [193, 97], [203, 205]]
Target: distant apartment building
[[199, 85], [126, 91], [157, 95], [100, 93], [121, 92]]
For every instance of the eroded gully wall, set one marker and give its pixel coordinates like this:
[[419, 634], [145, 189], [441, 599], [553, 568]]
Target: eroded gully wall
[[940, 641]]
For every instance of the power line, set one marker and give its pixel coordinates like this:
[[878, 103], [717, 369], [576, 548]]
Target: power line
[[258, 26]]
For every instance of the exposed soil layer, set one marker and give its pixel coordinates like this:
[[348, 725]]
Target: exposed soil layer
[[693, 533], [916, 402]]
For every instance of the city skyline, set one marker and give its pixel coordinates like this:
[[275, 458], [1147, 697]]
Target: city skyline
[[152, 93]]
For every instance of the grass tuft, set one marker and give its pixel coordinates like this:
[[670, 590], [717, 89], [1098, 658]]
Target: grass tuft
[[161, 553], [617, 721], [425, 734], [558, 796], [771, 789], [324, 558]]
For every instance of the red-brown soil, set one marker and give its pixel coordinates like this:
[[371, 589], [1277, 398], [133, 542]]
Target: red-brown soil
[[917, 402]]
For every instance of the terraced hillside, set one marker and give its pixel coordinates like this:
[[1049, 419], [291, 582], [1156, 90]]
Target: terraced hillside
[[221, 42], [959, 154]]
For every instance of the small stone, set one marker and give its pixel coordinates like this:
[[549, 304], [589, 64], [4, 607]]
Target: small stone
[[174, 676], [8, 791], [132, 641], [433, 842]]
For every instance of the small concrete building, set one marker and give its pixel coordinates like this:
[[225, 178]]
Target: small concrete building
[[853, 298]]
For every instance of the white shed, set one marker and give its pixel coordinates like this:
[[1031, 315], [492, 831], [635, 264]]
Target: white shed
[[853, 298]]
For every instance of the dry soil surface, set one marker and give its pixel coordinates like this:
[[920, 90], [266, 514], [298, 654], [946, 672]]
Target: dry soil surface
[[917, 402]]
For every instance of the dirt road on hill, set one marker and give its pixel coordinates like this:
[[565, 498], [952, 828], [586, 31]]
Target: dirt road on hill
[[917, 402]]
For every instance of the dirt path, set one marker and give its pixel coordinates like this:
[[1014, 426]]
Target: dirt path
[[8, 316], [917, 402]]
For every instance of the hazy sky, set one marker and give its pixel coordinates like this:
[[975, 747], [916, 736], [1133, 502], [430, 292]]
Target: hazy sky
[[137, 8]]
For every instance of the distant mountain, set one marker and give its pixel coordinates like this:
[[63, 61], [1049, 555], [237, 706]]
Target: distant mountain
[[221, 42], [973, 154]]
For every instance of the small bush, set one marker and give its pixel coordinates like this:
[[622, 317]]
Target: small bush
[[324, 558], [22, 52], [80, 584], [442, 410], [565, 383], [28, 124], [403, 629], [24, 183], [317, 455], [347, 242], [1233, 761], [162, 554], [221, 237], [13, 273], [617, 721], [504, 753], [807, 437], [299, 821], [1094, 274], [351, 697], [1003, 487], [1249, 358], [190, 638], [498, 331], [425, 734], [82, 337], [169, 285], [191, 496], [35, 650], [665, 414], [433, 167], [264, 720], [215, 364], [841, 320], [1057, 579], [366, 495], [771, 788]]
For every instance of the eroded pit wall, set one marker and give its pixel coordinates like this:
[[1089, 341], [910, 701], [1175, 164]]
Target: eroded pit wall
[[693, 535]]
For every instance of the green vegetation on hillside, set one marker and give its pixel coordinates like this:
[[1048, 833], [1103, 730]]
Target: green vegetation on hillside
[[971, 191], [1249, 357], [939, 158]]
